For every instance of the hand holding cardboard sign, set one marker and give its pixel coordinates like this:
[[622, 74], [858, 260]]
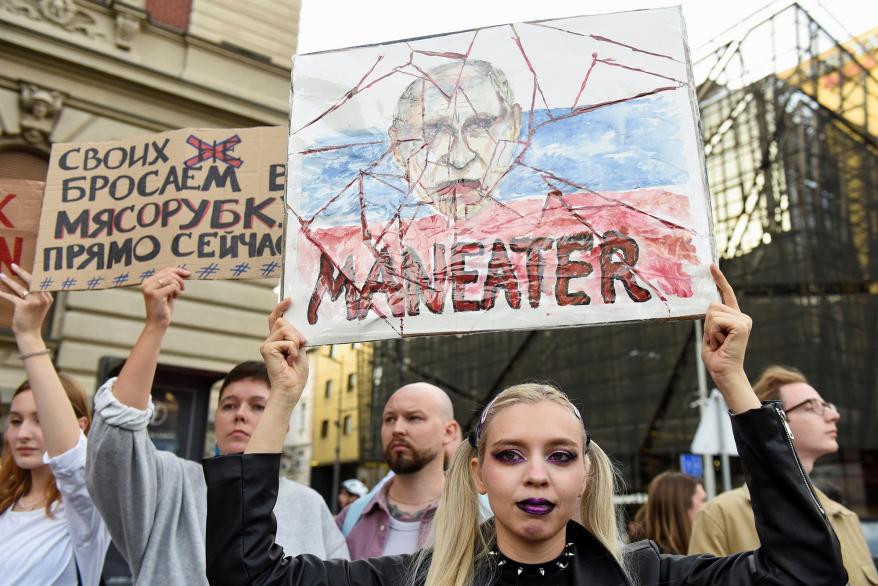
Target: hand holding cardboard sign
[[159, 293], [30, 308], [135, 380], [60, 426]]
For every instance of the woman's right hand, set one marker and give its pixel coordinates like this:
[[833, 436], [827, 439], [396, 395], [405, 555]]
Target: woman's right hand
[[285, 356], [31, 308], [159, 293], [287, 365]]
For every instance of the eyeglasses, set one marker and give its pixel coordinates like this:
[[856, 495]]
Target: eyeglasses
[[816, 406]]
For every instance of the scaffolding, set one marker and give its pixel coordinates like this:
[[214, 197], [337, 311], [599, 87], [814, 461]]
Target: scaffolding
[[790, 120]]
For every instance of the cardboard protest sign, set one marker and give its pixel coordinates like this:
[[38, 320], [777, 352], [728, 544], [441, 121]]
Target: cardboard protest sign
[[20, 203], [206, 199], [532, 175]]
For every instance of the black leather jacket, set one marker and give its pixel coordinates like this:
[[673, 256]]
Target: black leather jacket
[[798, 544]]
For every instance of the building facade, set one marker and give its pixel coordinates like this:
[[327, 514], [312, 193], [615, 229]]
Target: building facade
[[97, 70], [342, 388]]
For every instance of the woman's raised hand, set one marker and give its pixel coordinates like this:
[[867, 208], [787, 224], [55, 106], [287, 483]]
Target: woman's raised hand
[[284, 354], [726, 331], [287, 364], [159, 293], [59, 424], [31, 308]]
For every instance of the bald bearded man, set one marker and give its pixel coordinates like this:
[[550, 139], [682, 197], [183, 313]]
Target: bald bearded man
[[417, 425]]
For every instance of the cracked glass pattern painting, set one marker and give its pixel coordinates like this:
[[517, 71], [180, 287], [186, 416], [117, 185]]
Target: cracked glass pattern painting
[[531, 175]]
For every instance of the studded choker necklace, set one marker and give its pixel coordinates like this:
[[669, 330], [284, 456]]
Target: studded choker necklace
[[506, 565]]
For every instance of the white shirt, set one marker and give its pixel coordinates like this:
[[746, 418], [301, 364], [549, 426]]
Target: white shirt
[[37, 549], [402, 537]]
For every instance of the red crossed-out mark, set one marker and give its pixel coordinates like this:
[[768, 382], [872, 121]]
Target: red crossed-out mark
[[214, 151], [3, 218]]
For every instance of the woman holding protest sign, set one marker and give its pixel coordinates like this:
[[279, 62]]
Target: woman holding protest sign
[[51, 531], [534, 476]]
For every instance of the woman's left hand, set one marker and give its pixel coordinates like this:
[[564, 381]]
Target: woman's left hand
[[31, 308], [726, 331]]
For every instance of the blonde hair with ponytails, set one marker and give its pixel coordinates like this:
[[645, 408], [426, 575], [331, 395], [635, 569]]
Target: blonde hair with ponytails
[[461, 545]]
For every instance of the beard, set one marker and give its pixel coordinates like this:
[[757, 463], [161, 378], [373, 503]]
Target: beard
[[408, 462]]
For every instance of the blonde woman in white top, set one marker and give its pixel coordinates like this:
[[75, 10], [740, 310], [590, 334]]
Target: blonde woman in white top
[[50, 531]]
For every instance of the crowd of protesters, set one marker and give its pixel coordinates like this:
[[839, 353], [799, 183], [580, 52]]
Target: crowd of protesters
[[526, 497]]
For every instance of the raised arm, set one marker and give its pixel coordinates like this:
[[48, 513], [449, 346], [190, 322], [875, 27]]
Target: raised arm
[[159, 293], [798, 546], [62, 431], [58, 421]]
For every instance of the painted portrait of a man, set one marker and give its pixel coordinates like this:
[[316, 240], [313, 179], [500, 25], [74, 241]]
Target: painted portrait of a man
[[455, 136]]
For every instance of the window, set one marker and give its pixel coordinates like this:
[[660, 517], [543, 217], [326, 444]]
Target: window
[[347, 424], [352, 382], [324, 428], [327, 392]]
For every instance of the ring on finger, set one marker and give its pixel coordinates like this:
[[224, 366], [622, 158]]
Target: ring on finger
[[25, 294], [161, 283]]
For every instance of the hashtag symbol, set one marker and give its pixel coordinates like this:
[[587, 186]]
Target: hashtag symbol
[[118, 280], [146, 274], [240, 268], [46, 283], [182, 266], [269, 268], [94, 282], [68, 283], [208, 271]]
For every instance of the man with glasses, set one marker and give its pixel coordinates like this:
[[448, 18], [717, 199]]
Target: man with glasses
[[726, 524]]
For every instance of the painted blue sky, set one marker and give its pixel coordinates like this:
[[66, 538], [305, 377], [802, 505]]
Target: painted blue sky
[[630, 145]]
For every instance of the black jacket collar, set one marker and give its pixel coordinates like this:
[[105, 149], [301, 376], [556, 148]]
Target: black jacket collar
[[593, 563]]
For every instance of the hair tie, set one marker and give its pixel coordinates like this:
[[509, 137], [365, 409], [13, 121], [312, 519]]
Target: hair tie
[[473, 439]]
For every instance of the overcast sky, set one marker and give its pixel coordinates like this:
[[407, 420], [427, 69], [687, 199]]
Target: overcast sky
[[331, 24]]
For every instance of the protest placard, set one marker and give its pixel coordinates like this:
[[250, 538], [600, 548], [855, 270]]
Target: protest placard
[[20, 203], [533, 175], [209, 200]]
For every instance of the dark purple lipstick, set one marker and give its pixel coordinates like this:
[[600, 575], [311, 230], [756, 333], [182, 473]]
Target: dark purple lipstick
[[535, 506]]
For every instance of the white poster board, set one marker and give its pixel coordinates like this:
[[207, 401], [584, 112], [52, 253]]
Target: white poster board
[[541, 174]]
